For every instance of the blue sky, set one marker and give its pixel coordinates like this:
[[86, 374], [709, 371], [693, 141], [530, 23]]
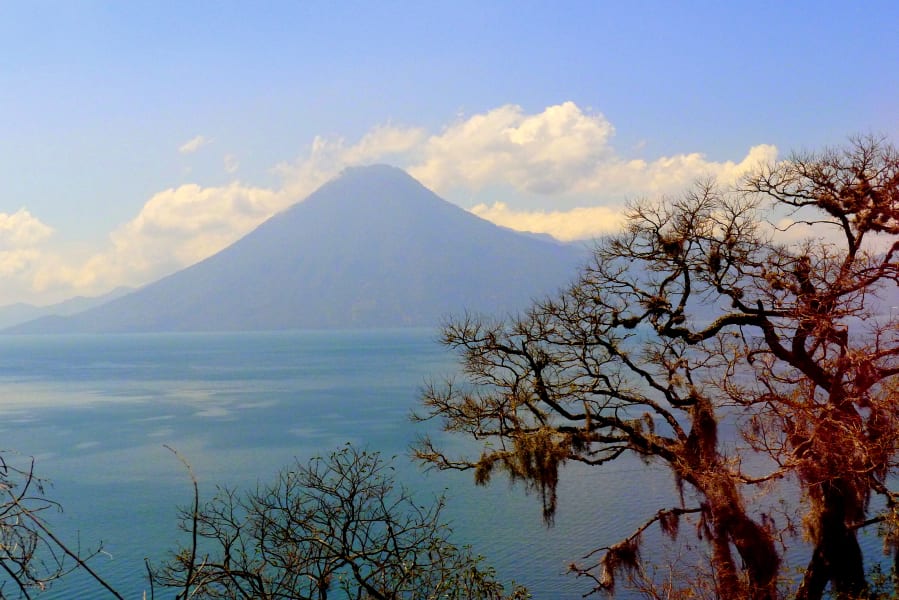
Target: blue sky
[[139, 137]]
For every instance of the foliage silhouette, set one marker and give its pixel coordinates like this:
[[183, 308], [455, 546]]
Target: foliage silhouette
[[336, 526], [752, 310]]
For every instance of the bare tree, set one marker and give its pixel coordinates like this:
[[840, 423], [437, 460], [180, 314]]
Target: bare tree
[[828, 363], [32, 556], [692, 324], [335, 526]]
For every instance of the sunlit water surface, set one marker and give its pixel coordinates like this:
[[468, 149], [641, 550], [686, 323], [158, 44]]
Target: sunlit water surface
[[96, 412]]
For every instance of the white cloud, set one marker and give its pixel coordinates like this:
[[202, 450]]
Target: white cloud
[[14, 262], [191, 212], [562, 151], [21, 229], [193, 144], [176, 228], [560, 155], [667, 174], [555, 171], [382, 142], [327, 157], [542, 153], [306, 174], [575, 224], [21, 237]]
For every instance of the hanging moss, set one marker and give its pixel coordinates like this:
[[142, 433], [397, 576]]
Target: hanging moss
[[623, 556]]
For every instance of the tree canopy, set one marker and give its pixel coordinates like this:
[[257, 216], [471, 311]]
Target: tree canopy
[[337, 526], [740, 336]]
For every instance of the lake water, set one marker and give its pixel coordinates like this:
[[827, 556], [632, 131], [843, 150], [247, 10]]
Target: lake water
[[95, 412]]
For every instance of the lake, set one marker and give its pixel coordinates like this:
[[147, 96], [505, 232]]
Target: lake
[[95, 412]]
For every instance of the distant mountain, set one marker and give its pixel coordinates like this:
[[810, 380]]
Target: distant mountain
[[371, 248], [20, 312]]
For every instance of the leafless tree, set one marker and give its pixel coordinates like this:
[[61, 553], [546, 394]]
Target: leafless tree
[[335, 527], [827, 365], [32, 556], [698, 339]]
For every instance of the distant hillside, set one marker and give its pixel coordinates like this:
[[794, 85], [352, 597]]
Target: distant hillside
[[372, 248], [14, 314]]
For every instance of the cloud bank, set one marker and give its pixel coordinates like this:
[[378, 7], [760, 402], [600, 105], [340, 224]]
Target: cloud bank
[[176, 228], [575, 224], [547, 153], [21, 236], [555, 171]]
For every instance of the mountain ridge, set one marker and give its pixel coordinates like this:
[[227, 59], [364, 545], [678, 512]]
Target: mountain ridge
[[22, 312], [370, 248]]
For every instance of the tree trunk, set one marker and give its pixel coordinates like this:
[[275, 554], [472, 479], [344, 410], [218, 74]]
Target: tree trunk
[[760, 559], [729, 522], [837, 556]]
